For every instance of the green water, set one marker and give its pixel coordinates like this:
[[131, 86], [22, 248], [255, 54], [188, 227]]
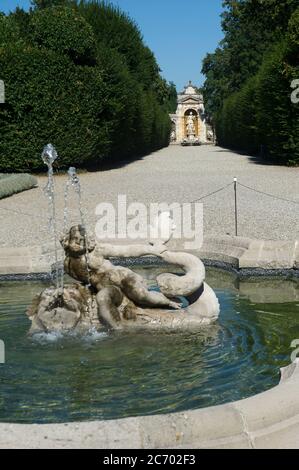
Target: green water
[[54, 379]]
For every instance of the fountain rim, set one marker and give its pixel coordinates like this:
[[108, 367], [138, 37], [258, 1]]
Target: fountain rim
[[45, 273], [244, 257], [266, 420]]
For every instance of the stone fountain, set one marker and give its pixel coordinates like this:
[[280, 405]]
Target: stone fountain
[[107, 296], [112, 297]]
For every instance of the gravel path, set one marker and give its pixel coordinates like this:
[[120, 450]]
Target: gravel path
[[175, 174]]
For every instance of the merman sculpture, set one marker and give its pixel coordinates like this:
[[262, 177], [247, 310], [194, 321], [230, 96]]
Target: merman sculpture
[[115, 298]]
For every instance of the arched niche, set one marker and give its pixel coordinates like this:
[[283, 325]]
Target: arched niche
[[196, 122]]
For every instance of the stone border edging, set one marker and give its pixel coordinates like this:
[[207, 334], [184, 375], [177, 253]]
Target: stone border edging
[[243, 255]]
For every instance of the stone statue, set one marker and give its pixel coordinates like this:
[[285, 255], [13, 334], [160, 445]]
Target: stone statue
[[191, 124], [116, 298]]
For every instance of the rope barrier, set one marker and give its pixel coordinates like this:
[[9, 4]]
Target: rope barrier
[[206, 196], [267, 194], [212, 194]]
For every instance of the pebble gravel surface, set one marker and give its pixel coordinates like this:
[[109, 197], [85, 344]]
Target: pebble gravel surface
[[174, 174]]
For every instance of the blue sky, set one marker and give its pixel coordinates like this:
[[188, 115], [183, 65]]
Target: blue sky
[[180, 32]]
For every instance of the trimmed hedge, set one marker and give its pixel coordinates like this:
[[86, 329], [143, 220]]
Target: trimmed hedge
[[59, 103], [13, 184], [277, 116], [261, 116], [237, 126], [9, 31], [72, 80], [63, 30], [119, 33]]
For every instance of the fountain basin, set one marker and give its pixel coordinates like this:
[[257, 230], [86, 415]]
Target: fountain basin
[[58, 380]]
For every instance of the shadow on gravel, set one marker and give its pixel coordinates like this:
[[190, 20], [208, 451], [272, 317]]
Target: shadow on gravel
[[256, 159], [114, 164]]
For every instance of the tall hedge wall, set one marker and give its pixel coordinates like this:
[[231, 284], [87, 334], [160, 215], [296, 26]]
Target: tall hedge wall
[[75, 82], [261, 116]]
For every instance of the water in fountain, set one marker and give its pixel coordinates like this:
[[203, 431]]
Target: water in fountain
[[66, 200], [55, 378], [49, 155]]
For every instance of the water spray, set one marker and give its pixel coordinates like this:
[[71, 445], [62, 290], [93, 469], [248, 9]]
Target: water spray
[[74, 181], [49, 155]]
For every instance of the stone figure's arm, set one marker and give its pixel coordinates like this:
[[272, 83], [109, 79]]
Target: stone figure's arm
[[130, 251]]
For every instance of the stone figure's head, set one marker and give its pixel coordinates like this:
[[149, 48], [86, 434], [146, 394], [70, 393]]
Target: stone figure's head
[[74, 243]]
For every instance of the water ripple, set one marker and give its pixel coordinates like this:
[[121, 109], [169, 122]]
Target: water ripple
[[52, 378]]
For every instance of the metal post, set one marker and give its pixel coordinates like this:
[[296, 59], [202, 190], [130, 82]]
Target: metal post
[[236, 207]]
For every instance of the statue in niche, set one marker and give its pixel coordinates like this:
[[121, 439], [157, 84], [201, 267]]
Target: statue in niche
[[191, 125]]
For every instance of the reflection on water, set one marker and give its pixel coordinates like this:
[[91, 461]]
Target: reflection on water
[[55, 379]]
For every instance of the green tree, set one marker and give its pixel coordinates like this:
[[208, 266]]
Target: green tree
[[216, 89], [251, 28]]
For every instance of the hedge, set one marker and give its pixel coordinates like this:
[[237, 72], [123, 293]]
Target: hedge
[[277, 116], [236, 124], [65, 31], [70, 79], [59, 103], [261, 116], [9, 31], [12, 184]]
